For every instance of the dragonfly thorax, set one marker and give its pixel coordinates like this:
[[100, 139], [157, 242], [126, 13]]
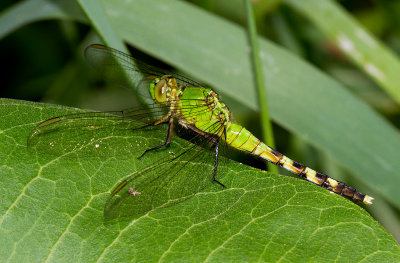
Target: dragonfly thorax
[[218, 108], [201, 110]]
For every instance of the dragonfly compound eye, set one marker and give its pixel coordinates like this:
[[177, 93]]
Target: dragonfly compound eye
[[160, 91]]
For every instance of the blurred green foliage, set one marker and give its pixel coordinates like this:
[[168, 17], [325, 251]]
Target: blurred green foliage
[[42, 61]]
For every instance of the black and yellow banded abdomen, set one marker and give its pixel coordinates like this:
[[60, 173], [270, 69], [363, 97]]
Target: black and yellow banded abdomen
[[241, 139]]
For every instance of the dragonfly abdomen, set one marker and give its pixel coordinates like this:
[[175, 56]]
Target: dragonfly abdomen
[[241, 139], [323, 180]]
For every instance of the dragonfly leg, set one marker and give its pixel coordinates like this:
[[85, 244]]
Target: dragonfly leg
[[166, 119], [167, 141], [216, 166], [150, 125]]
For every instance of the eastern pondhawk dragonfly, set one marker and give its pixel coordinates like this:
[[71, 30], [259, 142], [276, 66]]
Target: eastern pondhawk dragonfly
[[175, 100]]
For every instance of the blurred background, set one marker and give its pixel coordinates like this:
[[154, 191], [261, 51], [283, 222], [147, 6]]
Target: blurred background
[[61, 76]]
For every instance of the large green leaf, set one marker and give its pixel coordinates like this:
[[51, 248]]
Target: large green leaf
[[52, 209]]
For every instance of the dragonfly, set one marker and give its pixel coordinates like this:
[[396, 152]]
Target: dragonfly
[[174, 101]]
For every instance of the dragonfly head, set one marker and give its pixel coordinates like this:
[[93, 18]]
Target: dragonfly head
[[160, 89]]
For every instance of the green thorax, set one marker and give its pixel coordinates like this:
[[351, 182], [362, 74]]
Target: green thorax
[[200, 108]]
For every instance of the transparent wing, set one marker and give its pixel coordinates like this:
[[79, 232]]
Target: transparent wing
[[168, 181], [109, 62], [93, 134]]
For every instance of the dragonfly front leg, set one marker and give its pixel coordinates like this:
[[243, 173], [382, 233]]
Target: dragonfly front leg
[[163, 120], [169, 135], [216, 166]]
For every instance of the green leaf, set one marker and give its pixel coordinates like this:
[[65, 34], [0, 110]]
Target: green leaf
[[99, 20], [376, 60], [52, 209], [26, 12]]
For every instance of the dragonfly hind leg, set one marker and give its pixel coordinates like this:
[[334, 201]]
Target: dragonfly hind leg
[[167, 141], [216, 166]]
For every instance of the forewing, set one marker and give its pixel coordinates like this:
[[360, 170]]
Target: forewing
[[119, 66], [93, 134]]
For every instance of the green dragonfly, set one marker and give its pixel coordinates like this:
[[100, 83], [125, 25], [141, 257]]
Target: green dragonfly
[[176, 100]]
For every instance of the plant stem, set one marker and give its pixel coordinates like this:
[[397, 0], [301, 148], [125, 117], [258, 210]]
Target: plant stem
[[267, 132]]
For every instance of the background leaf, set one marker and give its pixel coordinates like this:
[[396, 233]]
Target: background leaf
[[52, 210], [370, 55], [29, 11]]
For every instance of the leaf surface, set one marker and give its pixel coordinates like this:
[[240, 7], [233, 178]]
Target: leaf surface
[[52, 209]]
